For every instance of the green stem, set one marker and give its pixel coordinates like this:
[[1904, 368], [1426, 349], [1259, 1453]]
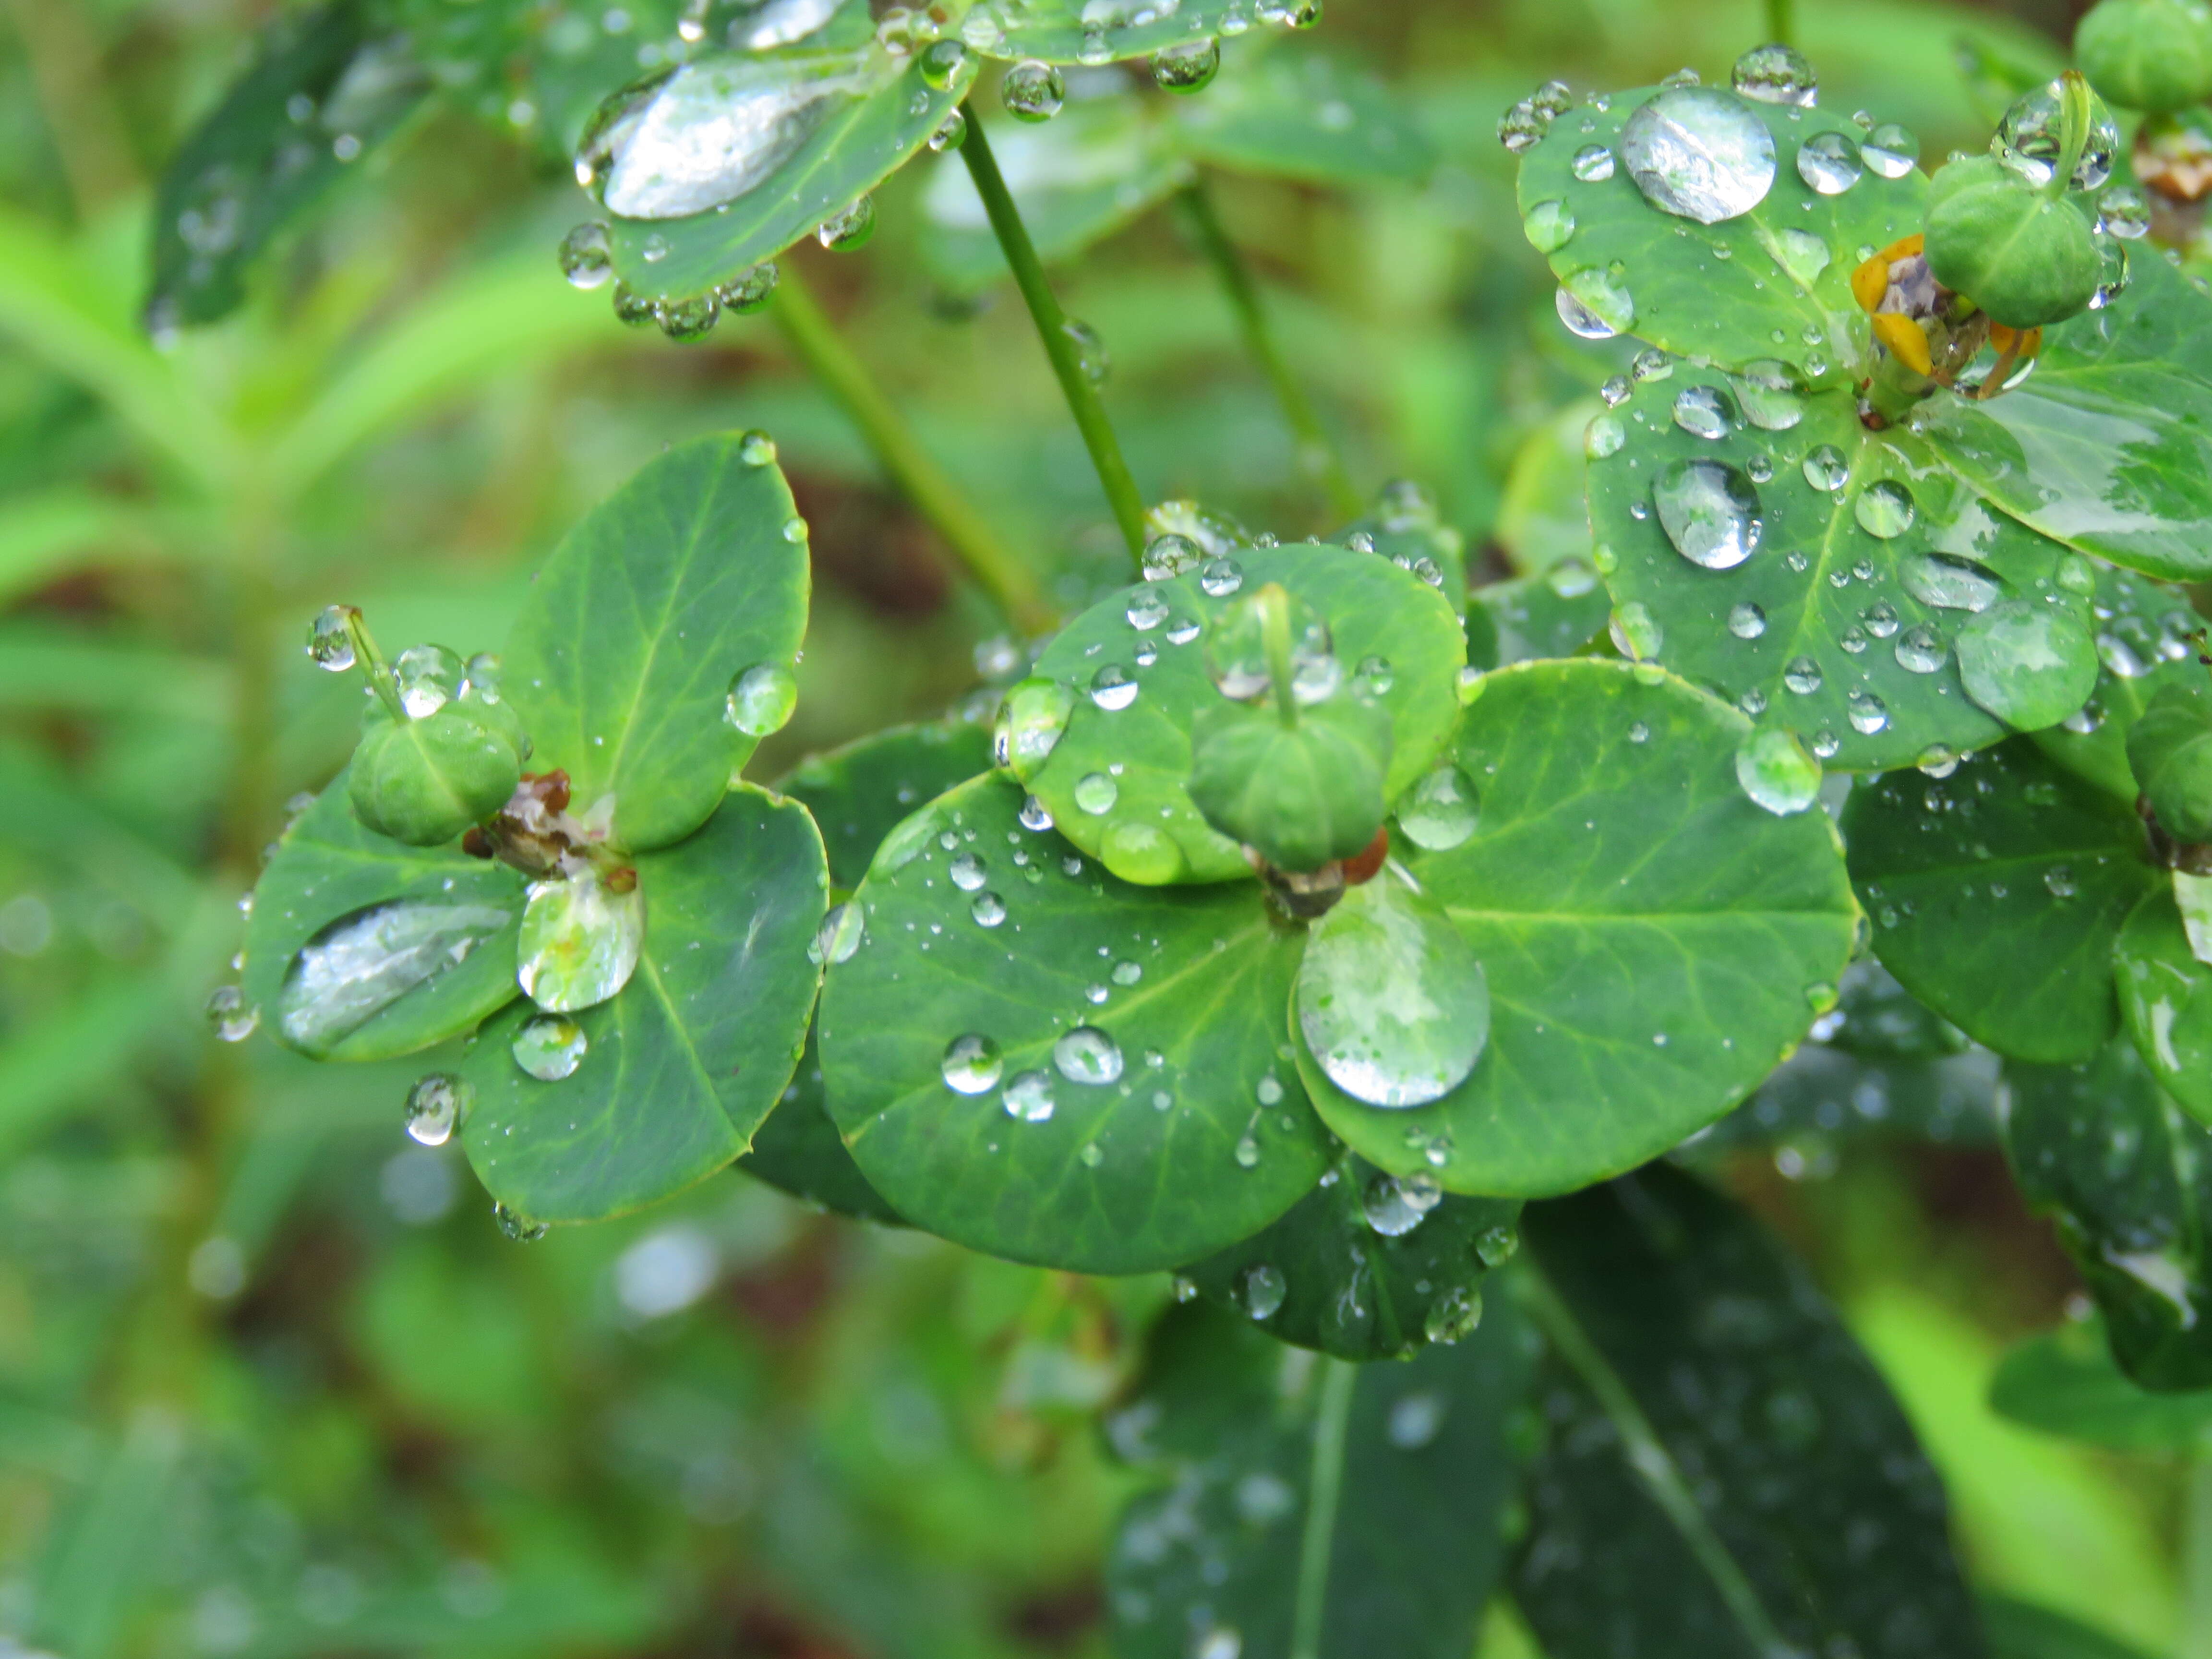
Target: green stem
[[1052, 327], [1274, 607], [1781, 22], [2196, 1562], [1324, 1486], [375, 672], [1318, 455], [2074, 115], [1010, 584]]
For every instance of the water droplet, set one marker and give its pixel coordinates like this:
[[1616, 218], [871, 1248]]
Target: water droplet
[[586, 259], [967, 873], [1248, 1154], [1890, 150], [989, 911], [1373, 677], [1261, 1289], [1091, 356], [705, 133], [1710, 511], [1884, 509], [1700, 152], [363, 962], [1236, 650], [1868, 713], [1394, 1208], [1704, 412], [1087, 1054], [1469, 684], [1146, 611], [1439, 811], [435, 1106], [1113, 689], [1594, 304], [1028, 1095], [580, 941], [972, 1063], [1031, 720], [1747, 621], [1190, 66], [2059, 879], [1603, 437], [941, 65], [1454, 1315], [1947, 583], [1829, 163], [1776, 772], [1636, 633], [1170, 555], [549, 1047], [1219, 577], [1582, 322], [1390, 997], [427, 678], [761, 699], [1921, 649], [1771, 395], [1497, 1245], [1801, 675], [517, 1226], [750, 288], [1096, 794], [1126, 973], [1593, 164], [951, 133], [330, 639], [843, 932], [227, 1015], [2029, 664], [1032, 91], [1776, 75], [849, 227], [1549, 226], [1880, 619], [2031, 139], [1826, 468], [2123, 212], [689, 319]]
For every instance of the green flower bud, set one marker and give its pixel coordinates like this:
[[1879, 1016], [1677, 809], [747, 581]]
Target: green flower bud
[[1300, 795], [423, 781], [2170, 752], [2025, 257], [2147, 54]]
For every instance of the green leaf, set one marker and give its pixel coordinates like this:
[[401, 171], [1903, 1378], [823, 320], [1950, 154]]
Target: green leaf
[[1725, 1472], [1822, 1096], [1087, 32], [1302, 115], [1653, 942], [1367, 1266], [1746, 607], [1197, 1137], [1544, 517], [2064, 1383], [1996, 893], [2169, 753], [798, 1150], [1331, 1511], [1877, 1019], [1373, 608], [361, 948], [1095, 167], [2020, 1630], [2127, 1176], [1408, 529], [2108, 446], [2166, 999], [622, 660], [325, 86], [2142, 629], [1772, 283], [1557, 614], [680, 1069], [858, 114]]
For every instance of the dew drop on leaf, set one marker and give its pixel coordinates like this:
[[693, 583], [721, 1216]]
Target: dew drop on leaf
[[1636, 633], [1171, 554], [427, 678], [851, 227], [1801, 675], [1549, 225], [756, 448], [2029, 664], [1261, 1289], [1771, 396], [843, 932], [1394, 1207], [1113, 689], [1453, 1315], [435, 1107], [1868, 713], [580, 941], [761, 699], [517, 1226], [1028, 1095], [2030, 139], [1776, 772], [1190, 66], [1593, 164], [1885, 509], [1096, 794], [1746, 620], [1829, 163], [1030, 723], [1947, 583], [549, 1047], [586, 259], [1594, 305], [971, 1064], [1699, 153], [363, 962], [1921, 650], [1497, 1245], [1032, 91], [1146, 611], [1439, 811], [228, 1015], [1219, 577], [1087, 1054], [1603, 437], [330, 639], [967, 872], [1704, 412], [1710, 511], [1890, 150], [1776, 75], [704, 134]]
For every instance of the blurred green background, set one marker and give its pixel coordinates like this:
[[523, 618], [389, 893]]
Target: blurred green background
[[271, 1381]]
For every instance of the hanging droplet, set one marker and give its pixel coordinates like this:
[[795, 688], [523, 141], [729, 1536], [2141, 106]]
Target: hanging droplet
[[1775, 771], [1884, 509], [849, 227], [1582, 322], [1699, 153], [1394, 1208], [1186, 68], [435, 1107], [1028, 1095], [685, 320], [587, 258], [1087, 1054], [972, 1063], [1030, 723], [951, 132], [2029, 664], [2124, 211], [549, 1047], [1710, 511], [1776, 75], [1032, 91], [1390, 999], [580, 941], [1829, 163], [1497, 1245], [1261, 1288], [517, 1226], [1439, 811], [1602, 299], [1091, 356], [750, 288], [1454, 1315], [228, 1015], [941, 64], [756, 448], [330, 638], [761, 699]]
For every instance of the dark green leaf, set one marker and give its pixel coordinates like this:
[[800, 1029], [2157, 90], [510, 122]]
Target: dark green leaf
[[326, 87], [1653, 942], [1811, 583], [1302, 115], [1198, 1137], [1725, 1472], [406, 946], [799, 1149], [682, 1066], [1821, 1096], [1299, 796], [2141, 629], [1772, 283], [2166, 999], [1319, 1508], [2108, 446], [859, 793], [2064, 1383], [1877, 1019], [1543, 518], [2169, 753], [1996, 893], [1373, 610], [2020, 1630], [622, 660], [1557, 614], [2127, 1176], [1369, 1266]]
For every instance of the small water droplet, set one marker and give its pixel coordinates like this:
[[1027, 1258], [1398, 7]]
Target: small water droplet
[[761, 699], [1921, 649], [1261, 1288], [1829, 163], [1593, 164], [1776, 772], [1890, 150], [1801, 675], [435, 1107], [1096, 794], [1439, 812], [1884, 509], [1087, 1054], [972, 1063], [549, 1047], [1704, 412], [1028, 1095], [1776, 75], [1747, 621], [1032, 91]]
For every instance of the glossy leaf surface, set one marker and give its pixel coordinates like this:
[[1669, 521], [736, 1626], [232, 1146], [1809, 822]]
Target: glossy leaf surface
[[679, 1070], [2064, 1383], [1724, 1471], [2143, 628], [2165, 1001], [1996, 893], [622, 662], [329, 875], [1819, 625], [1063, 1142], [1317, 1507], [1653, 942], [1373, 610]]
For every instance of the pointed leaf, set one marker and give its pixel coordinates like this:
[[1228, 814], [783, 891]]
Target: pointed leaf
[[2128, 1177], [989, 946], [1302, 115], [1753, 570], [403, 946], [1725, 1472], [622, 663], [679, 1070], [2108, 446], [1331, 1510], [1996, 893], [2064, 1383], [1653, 942]]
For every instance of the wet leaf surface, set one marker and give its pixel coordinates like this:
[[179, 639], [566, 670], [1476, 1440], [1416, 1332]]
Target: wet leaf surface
[[1096, 32], [2165, 1001], [1529, 618], [2142, 629]]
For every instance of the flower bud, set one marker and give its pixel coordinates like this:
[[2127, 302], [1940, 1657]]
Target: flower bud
[[2147, 54], [423, 781], [2025, 257], [1301, 796]]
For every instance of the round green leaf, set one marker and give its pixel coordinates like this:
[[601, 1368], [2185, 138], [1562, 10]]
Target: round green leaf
[[680, 1069], [798, 1150], [1772, 283], [1303, 115], [622, 662], [1653, 942], [1869, 581], [1366, 1267], [1996, 893], [2108, 445], [1373, 608], [1557, 614], [1091, 33], [1195, 1133], [2166, 999], [2142, 630], [385, 948], [859, 793], [861, 114]]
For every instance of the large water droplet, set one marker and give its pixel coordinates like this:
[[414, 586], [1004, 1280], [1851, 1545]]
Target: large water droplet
[[1700, 152], [1031, 720], [580, 941], [1596, 298], [1921, 650], [435, 1106], [1776, 75], [852, 226], [427, 678], [586, 259], [1190, 66], [1884, 509], [1096, 794], [1777, 773], [1261, 1288], [1710, 511], [1829, 163], [1033, 91], [1394, 1208], [1868, 713], [549, 1047], [1890, 150], [1801, 675], [1548, 225], [363, 963], [1171, 554], [2030, 139], [706, 133], [1826, 468], [1028, 1095], [2029, 664], [1949, 584], [1439, 812], [1704, 412], [971, 1064], [761, 699], [1390, 997], [967, 873], [1771, 395], [1087, 1054]]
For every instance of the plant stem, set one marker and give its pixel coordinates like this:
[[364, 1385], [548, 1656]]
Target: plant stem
[[2196, 1561], [1781, 22], [1052, 327], [1010, 584], [1318, 456], [1323, 1487], [1275, 636], [2074, 115]]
